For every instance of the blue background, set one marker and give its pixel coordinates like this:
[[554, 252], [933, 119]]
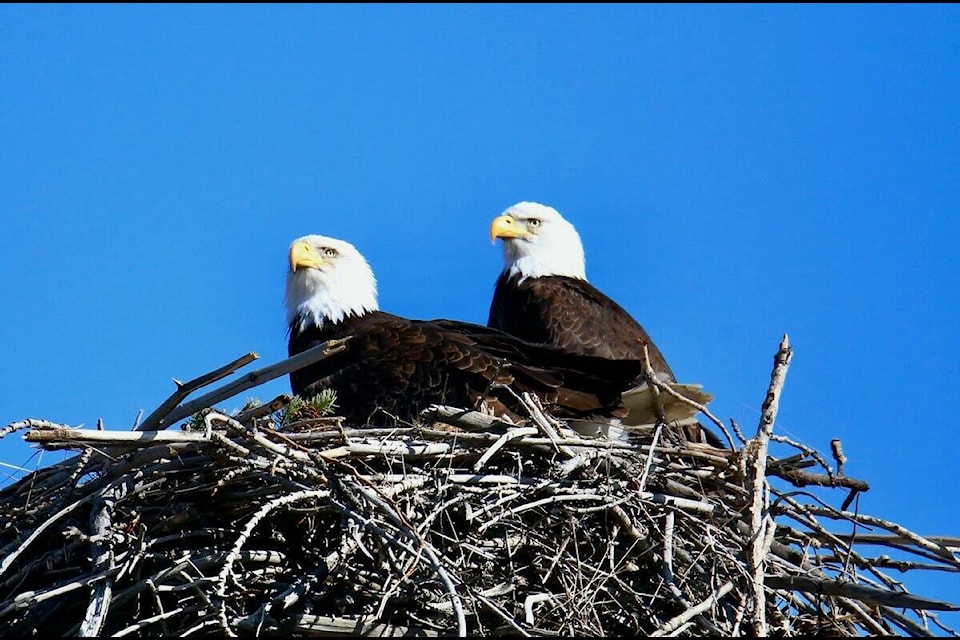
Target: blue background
[[736, 172]]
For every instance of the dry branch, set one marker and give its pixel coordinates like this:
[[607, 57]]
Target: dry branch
[[756, 459], [186, 388], [248, 381], [869, 595]]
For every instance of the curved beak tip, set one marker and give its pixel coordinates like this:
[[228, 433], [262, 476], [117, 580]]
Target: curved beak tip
[[502, 227], [301, 255]]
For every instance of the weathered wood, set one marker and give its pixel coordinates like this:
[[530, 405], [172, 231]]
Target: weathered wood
[[186, 388], [253, 379], [870, 595], [263, 410], [755, 455], [353, 626], [79, 437]]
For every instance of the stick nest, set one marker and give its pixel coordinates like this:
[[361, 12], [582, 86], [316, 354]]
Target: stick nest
[[461, 525]]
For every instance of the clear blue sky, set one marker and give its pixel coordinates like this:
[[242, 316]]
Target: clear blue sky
[[736, 173]]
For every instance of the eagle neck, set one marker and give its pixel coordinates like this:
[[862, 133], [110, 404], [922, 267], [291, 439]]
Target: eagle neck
[[327, 325], [522, 271], [534, 266]]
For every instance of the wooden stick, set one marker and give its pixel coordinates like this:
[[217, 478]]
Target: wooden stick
[[909, 625], [895, 539], [252, 379], [860, 592], [248, 416], [652, 380], [354, 626], [103, 558], [757, 465], [465, 418], [918, 540], [78, 437], [836, 447], [804, 478], [532, 405], [657, 385], [502, 440], [675, 623], [186, 388], [649, 461], [805, 449]]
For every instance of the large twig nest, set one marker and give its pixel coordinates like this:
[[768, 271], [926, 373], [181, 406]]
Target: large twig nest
[[462, 525]]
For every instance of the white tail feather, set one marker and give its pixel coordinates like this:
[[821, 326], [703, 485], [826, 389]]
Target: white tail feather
[[643, 406], [599, 428], [643, 412]]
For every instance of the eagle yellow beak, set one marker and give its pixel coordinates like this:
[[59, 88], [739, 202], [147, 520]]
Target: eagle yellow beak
[[506, 227], [302, 256]]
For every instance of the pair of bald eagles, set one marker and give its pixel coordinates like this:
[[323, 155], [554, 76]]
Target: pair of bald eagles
[[550, 333]]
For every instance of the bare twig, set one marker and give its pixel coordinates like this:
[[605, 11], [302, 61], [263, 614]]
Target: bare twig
[[248, 381], [103, 558], [858, 592], [757, 462], [837, 449], [675, 623], [184, 389]]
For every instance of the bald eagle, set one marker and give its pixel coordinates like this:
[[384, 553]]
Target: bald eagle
[[394, 367], [543, 296]]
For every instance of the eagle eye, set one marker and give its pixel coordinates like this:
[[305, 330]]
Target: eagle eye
[[533, 222], [330, 252]]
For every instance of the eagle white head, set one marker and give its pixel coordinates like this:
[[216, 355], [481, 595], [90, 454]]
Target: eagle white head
[[328, 280], [538, 241]]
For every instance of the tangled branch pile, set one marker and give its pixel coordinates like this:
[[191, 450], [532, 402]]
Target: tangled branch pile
[[257, 524]]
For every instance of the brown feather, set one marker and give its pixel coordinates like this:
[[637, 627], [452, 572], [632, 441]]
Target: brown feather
[[396, 367], [573, 315]]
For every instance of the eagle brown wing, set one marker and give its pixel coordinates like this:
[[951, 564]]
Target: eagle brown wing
[[573, 315], [399, 367]]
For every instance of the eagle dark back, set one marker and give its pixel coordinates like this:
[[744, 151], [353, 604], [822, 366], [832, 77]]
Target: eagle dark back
[[573, 315], [393, 368]]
